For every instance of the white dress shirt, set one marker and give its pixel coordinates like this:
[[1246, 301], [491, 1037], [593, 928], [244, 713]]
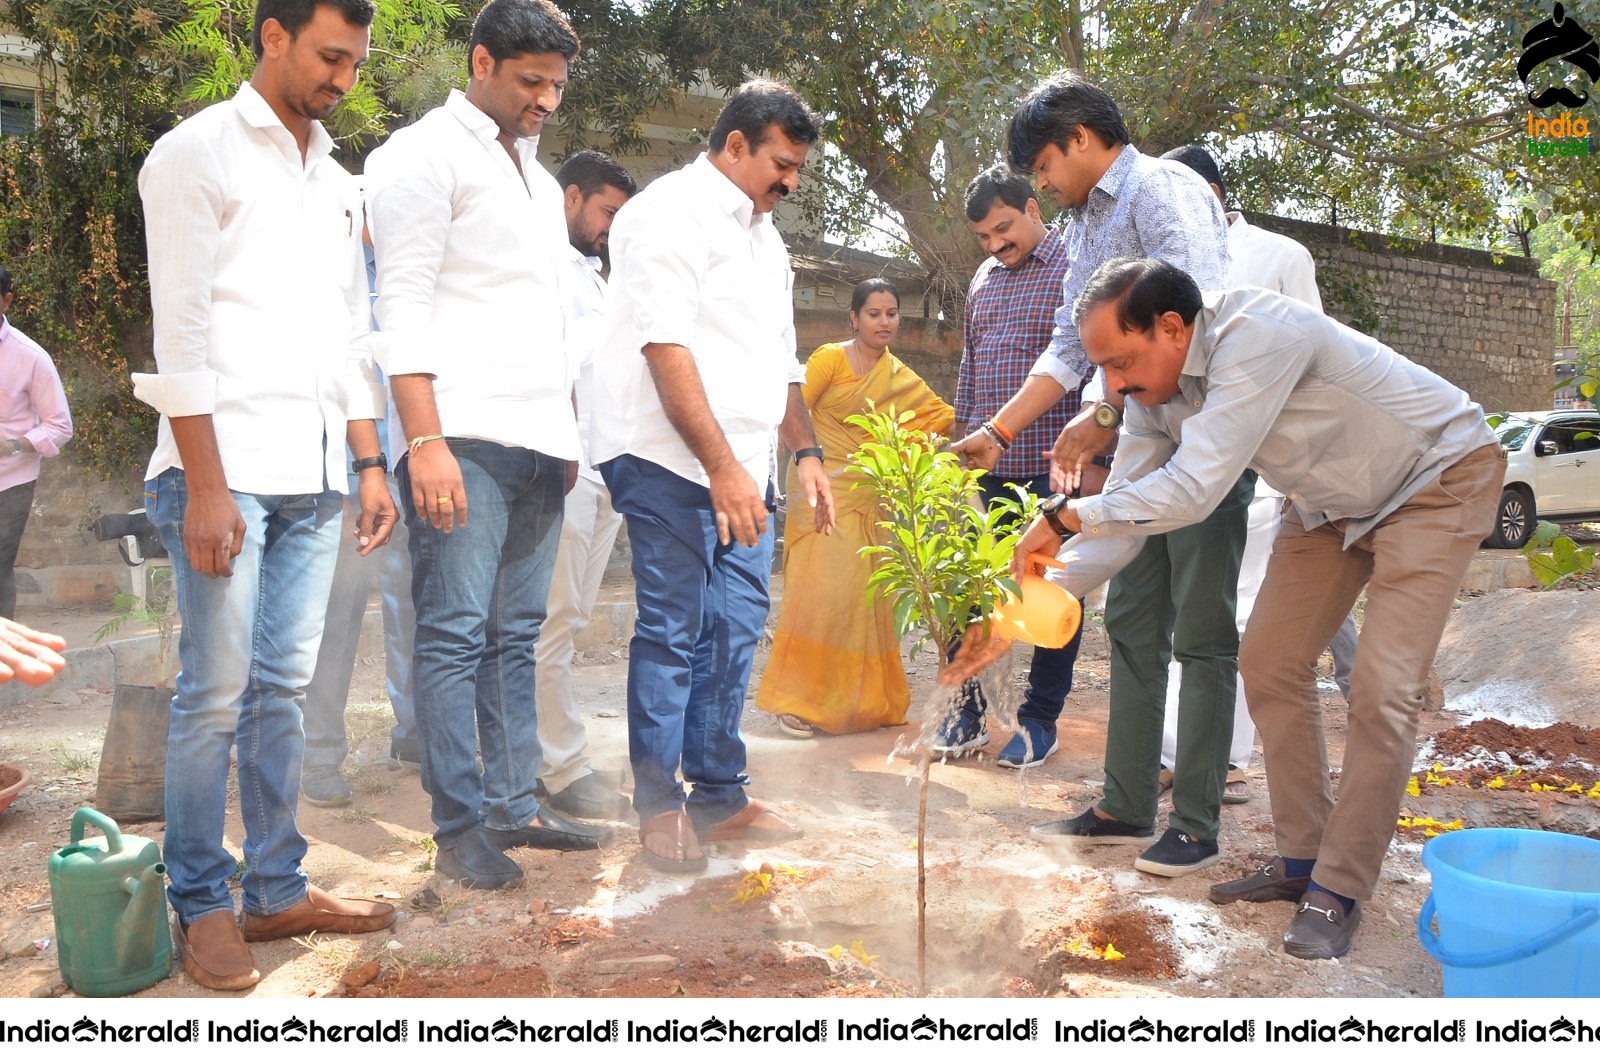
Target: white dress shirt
[[259, 297], [471, 259], [694, 265], [586, 321], [1259, 258]]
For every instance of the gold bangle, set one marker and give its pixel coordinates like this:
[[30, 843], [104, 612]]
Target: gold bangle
[[417, 442]]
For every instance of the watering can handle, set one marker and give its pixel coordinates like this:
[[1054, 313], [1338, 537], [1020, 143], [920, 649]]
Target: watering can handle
[[87, 815], [1041, 560], [1527, 948]]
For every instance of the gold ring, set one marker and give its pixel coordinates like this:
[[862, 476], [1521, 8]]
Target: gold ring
[[443, 500]]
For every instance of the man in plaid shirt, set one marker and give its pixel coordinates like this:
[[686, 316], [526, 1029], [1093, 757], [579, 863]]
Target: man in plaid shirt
[[1010, 316]]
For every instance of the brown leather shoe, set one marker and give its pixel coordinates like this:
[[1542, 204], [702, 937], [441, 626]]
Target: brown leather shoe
[[320, 911], [755, 823], [214, 953]]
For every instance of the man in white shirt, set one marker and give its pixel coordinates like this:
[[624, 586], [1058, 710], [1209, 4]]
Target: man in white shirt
[[594, 186], [1256, 258], [697, 369], [470, 244], [261, 329]]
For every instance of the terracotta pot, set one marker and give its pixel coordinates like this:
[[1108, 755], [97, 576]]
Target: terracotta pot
[[15, 778]]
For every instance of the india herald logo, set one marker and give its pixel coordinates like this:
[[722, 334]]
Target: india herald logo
[[1560, 37]]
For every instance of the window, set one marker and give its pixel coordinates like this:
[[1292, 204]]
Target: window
[[16, 112]]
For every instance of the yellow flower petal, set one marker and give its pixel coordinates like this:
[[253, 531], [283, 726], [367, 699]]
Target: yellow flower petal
[[1573, 787], [1111, 953], [861, 954], [1497, 783], [1413, 788], [835, 951]]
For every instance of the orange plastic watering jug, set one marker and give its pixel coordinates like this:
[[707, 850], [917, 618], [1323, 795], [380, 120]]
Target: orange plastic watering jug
[[1044, 614]]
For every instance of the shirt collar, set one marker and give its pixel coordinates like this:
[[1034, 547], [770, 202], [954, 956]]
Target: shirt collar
[[1236, 222], [484, 128], [1116, 174], [258, 113], [1197, 362], [594, 264], [726, 193]]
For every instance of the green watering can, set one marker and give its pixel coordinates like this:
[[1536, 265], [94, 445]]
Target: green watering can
[[110, 901]]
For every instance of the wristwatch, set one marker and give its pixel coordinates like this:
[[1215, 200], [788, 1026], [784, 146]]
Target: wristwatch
[[1106, 416], [1048, 508], [16, 447], [358, 466], [815, 450]]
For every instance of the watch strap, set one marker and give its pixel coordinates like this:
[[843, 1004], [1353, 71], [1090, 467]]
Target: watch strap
[[379, 461], [813, 450]]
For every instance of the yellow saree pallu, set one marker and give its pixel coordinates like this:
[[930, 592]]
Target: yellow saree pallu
[[835, 658]]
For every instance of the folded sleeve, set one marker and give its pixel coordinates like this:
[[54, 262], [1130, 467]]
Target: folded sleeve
[[181, 188], [410, 212]]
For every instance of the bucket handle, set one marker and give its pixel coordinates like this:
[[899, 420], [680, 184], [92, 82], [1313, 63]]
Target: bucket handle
[[1527, 948], [88, 815]]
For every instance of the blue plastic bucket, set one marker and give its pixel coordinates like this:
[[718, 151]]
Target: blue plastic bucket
[[1518, 910]]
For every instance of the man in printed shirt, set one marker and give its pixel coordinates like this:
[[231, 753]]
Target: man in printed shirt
[[1176, 598], [261, 325], [471, 242], [696, 371], [34, 423], [1392, 478], [594, 186], [1010, 313]]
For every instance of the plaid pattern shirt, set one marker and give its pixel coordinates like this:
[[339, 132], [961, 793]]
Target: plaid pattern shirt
[[1010, 315]]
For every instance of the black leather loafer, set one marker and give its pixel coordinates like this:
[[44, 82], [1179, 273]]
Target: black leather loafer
[[1320, 929], [1266, 884], [551, 831]]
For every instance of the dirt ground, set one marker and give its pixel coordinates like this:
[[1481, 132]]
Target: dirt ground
[[830, 914]]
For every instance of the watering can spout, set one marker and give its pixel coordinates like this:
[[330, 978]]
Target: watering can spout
[[145, 916]]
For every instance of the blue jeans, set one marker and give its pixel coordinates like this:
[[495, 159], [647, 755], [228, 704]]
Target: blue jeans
[[247, 650], [480, 593], [1050, 672], [702, 606], [353, 574]]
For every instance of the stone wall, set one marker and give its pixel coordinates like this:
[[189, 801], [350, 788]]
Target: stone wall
[[1486, 322], [60, 562]]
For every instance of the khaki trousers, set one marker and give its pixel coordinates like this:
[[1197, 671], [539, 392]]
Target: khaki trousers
[[1412, 564]]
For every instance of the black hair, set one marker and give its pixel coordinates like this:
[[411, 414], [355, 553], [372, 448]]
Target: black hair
[[756, 106], [1049, 114], [1199, 159], [867, 288], [592, 171], [509, 28], [5, 282], [999, 182], [293, 15], [1144, 289]]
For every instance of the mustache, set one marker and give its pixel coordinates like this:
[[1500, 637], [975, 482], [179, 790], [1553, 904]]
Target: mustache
[[1129, 391], [1558, 94], [780, 189]]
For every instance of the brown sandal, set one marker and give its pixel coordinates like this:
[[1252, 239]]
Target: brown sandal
[[754, 823], [669, 844]]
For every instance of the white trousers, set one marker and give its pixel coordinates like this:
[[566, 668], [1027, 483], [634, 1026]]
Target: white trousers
[[1266, 516], [588, 530]]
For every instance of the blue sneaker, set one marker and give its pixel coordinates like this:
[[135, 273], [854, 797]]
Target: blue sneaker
[[1025, 752], [961, 732]]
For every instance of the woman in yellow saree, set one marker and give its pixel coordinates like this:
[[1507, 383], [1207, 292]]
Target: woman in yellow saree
[[835, 664]]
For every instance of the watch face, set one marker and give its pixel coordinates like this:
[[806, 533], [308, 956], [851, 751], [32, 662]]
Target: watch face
[[1105, 415]]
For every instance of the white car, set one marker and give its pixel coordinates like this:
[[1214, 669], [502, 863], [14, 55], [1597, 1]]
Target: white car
[[1552, 472]]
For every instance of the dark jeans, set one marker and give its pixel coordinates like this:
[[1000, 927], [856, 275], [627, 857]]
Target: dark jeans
[[15, 505], [1176, 600], [479, 592], [1050, 672], [702, 606]]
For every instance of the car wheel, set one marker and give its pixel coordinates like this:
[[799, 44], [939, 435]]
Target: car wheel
[[1513, 521]]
